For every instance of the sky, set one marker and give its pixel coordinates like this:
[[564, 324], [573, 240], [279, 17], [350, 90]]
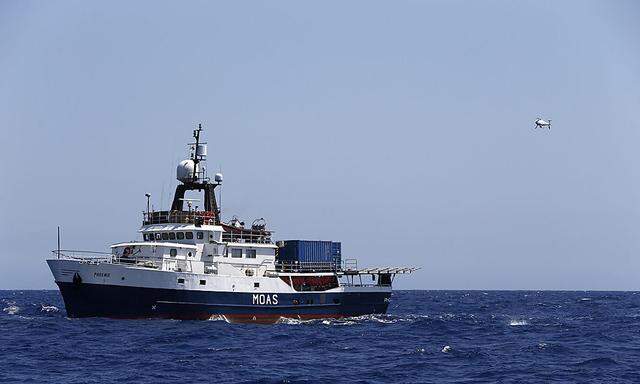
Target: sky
[[403, 129]]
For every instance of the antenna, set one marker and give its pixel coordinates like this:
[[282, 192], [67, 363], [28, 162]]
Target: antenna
[[220, 196], [58, 241], [197, 155], [196, 135]]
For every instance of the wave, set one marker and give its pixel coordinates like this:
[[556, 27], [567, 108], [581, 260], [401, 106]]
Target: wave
[[434, 320], [291, 321], [383, 319], [339, 322], [49, 308], [517, 323], [11, 309], [550, 348], [597, 362]]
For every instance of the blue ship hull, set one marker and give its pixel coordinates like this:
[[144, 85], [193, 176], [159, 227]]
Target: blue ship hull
[[97, 300]]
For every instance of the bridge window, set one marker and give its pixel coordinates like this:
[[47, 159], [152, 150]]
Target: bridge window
[[172, 235], [200, 235], [188, 235], [157, 236], [236, 252], [251, 253], [146, 237], [180, 235], [165, 236], [173, 252]]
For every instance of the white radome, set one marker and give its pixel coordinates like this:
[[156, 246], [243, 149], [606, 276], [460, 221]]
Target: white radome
[[218, 177], [184, 172]]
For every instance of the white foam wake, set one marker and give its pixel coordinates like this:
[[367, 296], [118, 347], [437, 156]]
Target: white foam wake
[[48, 308], [11, 310]]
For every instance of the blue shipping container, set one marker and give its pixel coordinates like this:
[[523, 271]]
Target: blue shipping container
[[336, 249], [310, 251]]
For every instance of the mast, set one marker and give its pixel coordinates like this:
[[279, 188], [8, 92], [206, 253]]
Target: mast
[[195, 179], [194, 156]]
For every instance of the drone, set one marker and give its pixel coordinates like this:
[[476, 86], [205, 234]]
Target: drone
[[541, 123]]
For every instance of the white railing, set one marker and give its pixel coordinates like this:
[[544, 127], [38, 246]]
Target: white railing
[[304, 266], [88, 256], [105, 257]]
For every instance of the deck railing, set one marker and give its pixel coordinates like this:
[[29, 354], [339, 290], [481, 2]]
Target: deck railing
[[297, 266], [179, 217], [105, 257], [245, 237], [87, 256]]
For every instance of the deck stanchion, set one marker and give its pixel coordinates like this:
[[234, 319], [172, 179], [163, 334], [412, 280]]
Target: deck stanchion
[[58, 242]]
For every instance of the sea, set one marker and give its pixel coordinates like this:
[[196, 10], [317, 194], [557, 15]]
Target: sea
[[427, 337]]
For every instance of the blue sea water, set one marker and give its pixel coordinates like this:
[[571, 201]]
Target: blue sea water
[[427, 337]]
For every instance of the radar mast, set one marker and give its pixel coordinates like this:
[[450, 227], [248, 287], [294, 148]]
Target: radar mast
[[192, 176]]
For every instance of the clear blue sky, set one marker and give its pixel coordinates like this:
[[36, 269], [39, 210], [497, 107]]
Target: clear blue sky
[[403, 129]]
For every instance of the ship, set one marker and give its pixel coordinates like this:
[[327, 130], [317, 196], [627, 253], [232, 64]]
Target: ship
[[190, 264]]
